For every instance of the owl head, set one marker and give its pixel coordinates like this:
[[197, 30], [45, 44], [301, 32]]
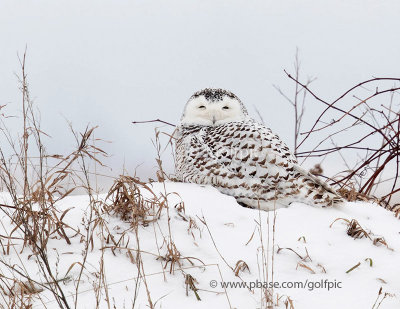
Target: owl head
[[212, 107]]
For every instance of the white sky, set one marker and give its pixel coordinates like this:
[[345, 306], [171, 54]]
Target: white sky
[[108, 63]]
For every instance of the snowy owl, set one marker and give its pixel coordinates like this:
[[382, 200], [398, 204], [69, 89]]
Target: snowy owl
[[218, 144]]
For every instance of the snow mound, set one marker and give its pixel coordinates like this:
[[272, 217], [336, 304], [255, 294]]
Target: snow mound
[[310, 260]]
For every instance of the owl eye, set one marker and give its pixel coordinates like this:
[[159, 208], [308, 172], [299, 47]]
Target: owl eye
[[202, 107], [225, 107]]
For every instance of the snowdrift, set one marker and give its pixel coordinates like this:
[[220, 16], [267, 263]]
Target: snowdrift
[[204, 250]]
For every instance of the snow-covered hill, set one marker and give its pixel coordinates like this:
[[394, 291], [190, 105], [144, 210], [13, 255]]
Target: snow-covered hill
[[210, 237]]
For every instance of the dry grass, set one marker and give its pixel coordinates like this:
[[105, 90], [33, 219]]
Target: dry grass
[[136, 203], [380, 298], [127, 201], [356, 231], [33, 213], [36, 181]]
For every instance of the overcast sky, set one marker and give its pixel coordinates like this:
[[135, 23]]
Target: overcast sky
[[108, 63]]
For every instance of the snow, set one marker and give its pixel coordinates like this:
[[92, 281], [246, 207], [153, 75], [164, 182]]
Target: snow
[[232, 234]]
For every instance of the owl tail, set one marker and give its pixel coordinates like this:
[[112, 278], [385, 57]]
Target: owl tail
[[316, 192]]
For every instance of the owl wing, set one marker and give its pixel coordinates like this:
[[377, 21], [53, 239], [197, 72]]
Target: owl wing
[[261, 154], [274, 159], [276, 168], [237, 150]]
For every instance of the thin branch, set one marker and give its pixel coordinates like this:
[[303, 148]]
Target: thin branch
[[155, 120]]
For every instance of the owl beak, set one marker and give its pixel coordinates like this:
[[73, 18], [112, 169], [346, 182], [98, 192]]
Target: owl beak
[[214, 120]]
